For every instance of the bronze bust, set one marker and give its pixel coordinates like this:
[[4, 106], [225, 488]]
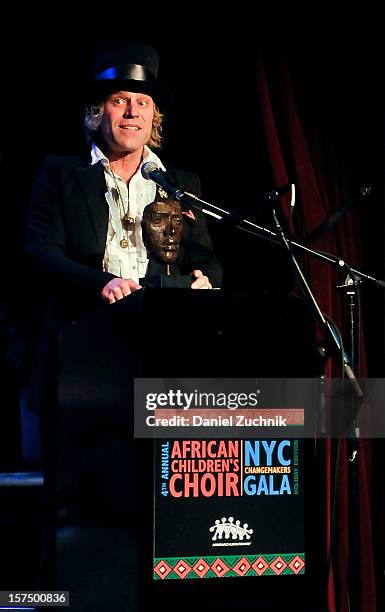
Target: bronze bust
[[162, 229]]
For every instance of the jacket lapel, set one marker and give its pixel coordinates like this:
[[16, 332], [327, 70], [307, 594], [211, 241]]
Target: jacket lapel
[[94, 187]]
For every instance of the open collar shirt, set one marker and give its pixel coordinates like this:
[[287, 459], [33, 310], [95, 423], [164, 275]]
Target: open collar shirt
[[130, 261]]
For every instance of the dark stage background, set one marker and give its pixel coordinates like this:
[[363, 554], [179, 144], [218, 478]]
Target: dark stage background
[[215, 128]]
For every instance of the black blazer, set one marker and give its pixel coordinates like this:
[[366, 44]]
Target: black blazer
[[67, 231]]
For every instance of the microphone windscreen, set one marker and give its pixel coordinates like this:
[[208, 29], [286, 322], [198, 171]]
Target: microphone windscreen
[[147, 168]]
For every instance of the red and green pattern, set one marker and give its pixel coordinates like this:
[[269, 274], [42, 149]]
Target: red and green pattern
[[230, 566]]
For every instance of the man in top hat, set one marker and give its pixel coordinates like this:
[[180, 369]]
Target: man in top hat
[[85, 223], [85, 243]]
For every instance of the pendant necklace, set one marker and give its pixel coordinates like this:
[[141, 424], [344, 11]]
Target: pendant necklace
[[128, 222]]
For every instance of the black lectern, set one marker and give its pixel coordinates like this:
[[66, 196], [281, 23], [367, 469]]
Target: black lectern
[[104, 477], [157, 332]]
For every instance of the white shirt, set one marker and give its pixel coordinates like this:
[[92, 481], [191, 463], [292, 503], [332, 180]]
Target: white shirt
[[132, 261]]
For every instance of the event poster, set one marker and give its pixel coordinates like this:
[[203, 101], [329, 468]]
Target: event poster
[[228, 508]]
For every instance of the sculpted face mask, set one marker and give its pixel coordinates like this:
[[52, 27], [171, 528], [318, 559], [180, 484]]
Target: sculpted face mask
[[162, 221]]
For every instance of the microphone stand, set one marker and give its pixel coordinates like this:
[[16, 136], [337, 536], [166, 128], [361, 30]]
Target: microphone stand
[[354, 278], [352, 435], [267, 234], [326, 325], [280, 239], [351, 288]]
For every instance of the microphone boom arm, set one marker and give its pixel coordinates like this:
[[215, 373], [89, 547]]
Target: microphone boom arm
[[267, 234], [150, 171]]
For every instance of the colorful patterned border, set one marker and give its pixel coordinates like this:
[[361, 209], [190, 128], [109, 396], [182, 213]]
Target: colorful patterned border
[[228, 566]]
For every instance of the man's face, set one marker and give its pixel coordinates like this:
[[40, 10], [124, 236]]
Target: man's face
[[127, 121], [163, 229]]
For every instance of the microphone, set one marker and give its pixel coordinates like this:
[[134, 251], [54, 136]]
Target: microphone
[[277, 192], [152, 172]]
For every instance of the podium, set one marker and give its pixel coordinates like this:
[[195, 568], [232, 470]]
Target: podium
[[104, 479], [190, 333]]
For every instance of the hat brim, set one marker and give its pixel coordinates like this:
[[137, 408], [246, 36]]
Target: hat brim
[[98, 91]]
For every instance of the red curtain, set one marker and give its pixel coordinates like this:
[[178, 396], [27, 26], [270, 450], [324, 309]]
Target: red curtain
[[321, 177]]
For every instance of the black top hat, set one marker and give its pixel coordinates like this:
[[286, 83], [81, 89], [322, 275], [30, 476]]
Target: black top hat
[[127, 66]]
